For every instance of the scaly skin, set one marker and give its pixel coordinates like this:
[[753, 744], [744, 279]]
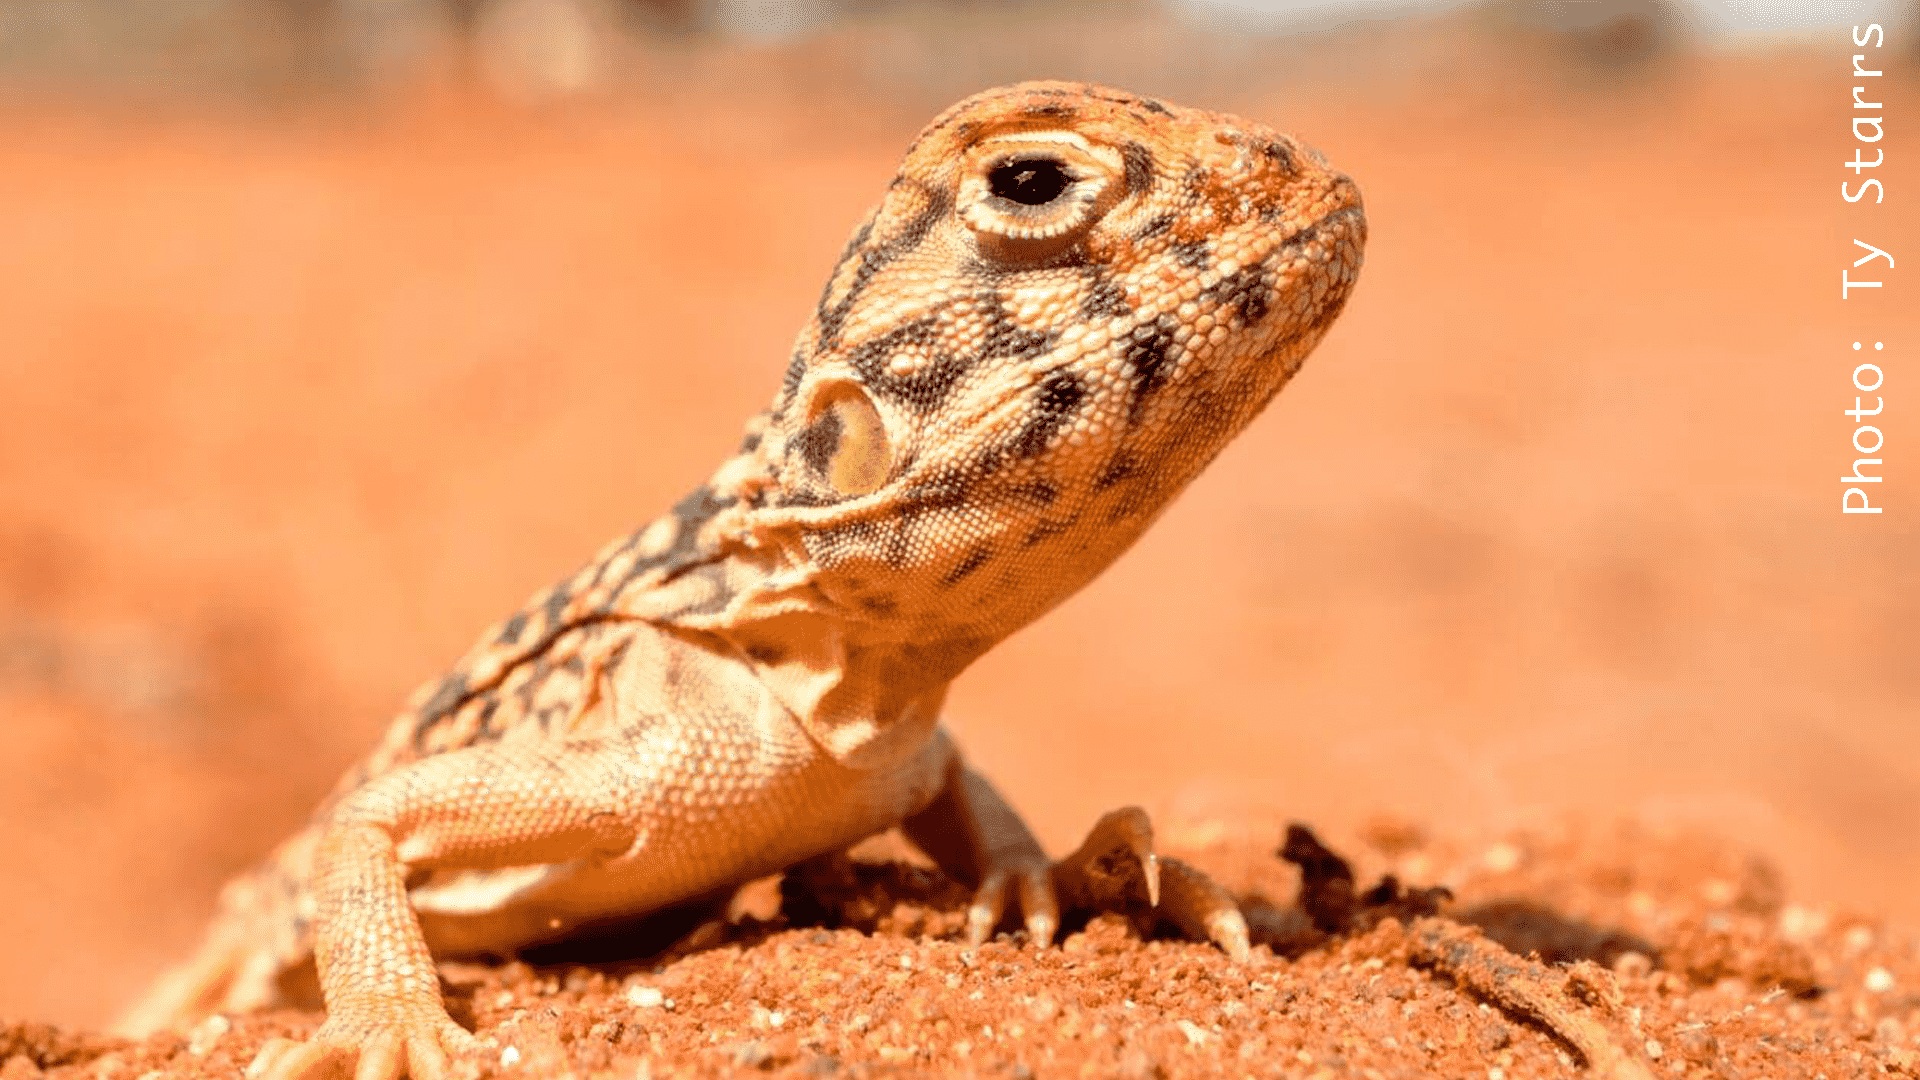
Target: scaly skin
[[1067, 303]]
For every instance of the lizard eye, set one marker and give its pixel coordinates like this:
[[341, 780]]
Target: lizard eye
[[1030, 195], [1029, 181]]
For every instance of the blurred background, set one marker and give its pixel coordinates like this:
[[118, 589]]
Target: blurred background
[[332, 329]]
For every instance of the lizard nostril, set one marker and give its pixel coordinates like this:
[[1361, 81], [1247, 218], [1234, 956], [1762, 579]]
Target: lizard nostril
[[1029, 181]]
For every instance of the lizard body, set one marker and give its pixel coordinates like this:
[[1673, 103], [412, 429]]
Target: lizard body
[[1069, 300]]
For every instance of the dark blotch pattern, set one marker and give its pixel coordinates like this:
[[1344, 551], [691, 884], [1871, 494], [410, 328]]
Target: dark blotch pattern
[[1006, 338], [1327, 314], [511, 630], [831, 317], [975, 559], [1038, 492], [1104, 300], [450, 695], [941, 494], [939, 205], [1193, 254], [1045, 529], [1139, 165], [1248, 291], [1155, 227], [819, 441], [1149, 355], [793, 495], [1052, 110], [555, 607], [1122, 467], [790, 380], [926, 388], [876, 256], [699, 507], [1059, 394]]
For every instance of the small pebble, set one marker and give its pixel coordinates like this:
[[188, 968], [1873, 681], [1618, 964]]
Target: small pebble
[[1799, 924], [645, 997], [1633, 965], [752, 1055], [208, 1035], [509, 1057], [1699, 1042], [1501, 858], [1879, 980], [1135, 1064]]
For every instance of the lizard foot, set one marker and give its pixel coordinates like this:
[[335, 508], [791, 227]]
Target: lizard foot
[[371, 1050], [1116, 870], [1030, 880]]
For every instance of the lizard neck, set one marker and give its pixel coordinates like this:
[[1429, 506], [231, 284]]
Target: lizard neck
[[864, 682]]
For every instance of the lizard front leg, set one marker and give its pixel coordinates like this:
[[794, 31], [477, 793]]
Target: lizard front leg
[[971, 832], [479, 807]]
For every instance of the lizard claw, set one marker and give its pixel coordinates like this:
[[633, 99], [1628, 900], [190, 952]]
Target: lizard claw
[[1034, 885], [1113, 867], [1116, 870], [378, 1051], [1195, 903]]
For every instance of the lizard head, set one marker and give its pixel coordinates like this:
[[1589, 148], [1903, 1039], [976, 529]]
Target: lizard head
[[1069, 300]]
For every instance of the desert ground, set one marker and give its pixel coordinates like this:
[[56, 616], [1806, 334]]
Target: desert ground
[[1533, 585]]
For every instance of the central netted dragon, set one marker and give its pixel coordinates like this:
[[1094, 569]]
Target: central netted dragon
[[1068, 301]]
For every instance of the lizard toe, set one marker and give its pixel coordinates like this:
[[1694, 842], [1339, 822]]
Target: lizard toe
[[1037, 901], [1202, 909], [1030, 882], [1116, 870], [390, 1051], [989, 903]]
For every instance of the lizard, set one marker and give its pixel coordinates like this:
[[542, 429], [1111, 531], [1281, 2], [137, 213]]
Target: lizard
[[1069, 299]]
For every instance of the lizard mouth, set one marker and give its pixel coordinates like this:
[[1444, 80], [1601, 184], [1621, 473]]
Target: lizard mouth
[[1347, 218]]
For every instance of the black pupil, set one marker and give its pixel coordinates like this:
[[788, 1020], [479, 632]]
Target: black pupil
[[1029, 181]]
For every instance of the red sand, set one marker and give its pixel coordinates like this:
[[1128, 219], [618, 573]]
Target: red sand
[[1548, 530]]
